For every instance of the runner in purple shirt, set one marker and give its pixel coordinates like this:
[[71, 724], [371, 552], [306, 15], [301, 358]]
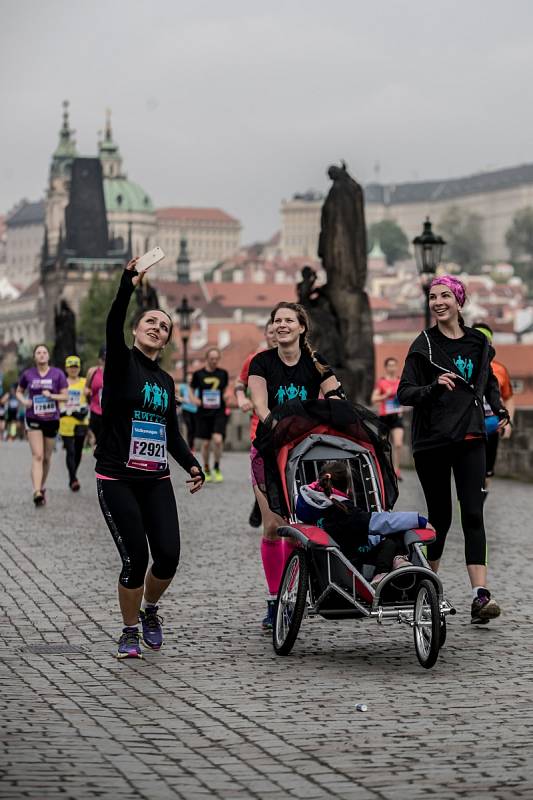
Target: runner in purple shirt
[[40, 389]]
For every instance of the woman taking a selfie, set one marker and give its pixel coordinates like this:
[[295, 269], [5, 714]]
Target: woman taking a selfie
[[139, 429]]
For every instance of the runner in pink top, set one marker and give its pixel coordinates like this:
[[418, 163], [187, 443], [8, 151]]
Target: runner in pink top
[[390, 412], [94, 389], [40, 389]]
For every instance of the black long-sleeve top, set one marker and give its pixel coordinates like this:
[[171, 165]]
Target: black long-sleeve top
[[440, 416], [138, 407]]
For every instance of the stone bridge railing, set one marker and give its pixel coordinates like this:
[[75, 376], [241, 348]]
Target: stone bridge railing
[[515, 455]]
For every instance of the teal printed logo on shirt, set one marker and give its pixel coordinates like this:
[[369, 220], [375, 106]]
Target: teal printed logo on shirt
[[291, 392], [154, 397], [465, 367]]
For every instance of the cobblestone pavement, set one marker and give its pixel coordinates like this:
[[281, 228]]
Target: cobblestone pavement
[[216, 713]]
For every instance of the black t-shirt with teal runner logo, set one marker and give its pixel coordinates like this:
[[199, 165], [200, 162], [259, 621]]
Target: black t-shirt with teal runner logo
[[465, 353], [285, 383], [210, 386]]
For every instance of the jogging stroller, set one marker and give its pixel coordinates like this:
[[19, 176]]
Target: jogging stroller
[[318, 579]]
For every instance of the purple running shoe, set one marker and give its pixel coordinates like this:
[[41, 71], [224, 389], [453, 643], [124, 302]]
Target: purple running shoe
[[152, 630], [484, 608], [128, 644]]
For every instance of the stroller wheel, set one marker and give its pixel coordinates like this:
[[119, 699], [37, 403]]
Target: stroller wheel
[[427, 624], [290, 605]]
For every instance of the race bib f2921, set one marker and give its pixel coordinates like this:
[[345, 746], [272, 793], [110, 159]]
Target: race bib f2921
[[148, 446]]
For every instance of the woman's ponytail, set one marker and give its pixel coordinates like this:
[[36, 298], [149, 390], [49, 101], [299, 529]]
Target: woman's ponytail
[[324, 482], [334, 476]]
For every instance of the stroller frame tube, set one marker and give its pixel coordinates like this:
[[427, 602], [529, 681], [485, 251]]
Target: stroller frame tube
[[399, 612]]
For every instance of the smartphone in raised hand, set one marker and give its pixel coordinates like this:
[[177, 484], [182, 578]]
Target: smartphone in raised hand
[[149, 259]]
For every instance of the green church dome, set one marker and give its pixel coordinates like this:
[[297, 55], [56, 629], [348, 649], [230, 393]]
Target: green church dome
[[123, 195]]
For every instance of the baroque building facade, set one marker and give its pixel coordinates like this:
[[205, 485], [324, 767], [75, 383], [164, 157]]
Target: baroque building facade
[[25, 226], [494, 196], [37, 251], [130, 211], [212, 235]]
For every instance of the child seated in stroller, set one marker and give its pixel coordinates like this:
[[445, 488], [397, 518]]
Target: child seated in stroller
[[364, 537]]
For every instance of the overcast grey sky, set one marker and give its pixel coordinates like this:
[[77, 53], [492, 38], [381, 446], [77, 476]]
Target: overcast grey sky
[[240, 103]]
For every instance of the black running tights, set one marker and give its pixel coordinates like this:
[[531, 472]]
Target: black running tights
[[142, 514], [467, 462], [74, 449], [491, 448]]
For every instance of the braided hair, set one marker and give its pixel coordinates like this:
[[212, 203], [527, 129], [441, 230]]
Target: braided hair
[[303, 319], [334, 476]]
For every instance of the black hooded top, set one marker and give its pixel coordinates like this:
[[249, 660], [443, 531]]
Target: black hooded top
[[138, 402], [441, 416]]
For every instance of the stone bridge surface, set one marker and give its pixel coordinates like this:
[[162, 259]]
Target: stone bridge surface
[[216, 714]]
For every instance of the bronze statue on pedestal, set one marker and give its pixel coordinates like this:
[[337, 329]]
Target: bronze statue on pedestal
[[340, 310]]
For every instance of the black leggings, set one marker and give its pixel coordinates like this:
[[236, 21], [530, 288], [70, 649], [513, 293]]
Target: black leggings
[[139, 514], [74, 448], [493, 439], [434, 467]]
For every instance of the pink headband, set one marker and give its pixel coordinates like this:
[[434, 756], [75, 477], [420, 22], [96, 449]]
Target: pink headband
[[457, 287]]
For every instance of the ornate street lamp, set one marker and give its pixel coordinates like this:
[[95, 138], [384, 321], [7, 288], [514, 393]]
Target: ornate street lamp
[[428, 252], [184, 312]]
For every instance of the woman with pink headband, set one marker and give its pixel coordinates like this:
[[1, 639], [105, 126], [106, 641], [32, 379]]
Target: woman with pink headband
[[447, 373]]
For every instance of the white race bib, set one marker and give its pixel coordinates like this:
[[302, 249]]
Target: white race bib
[[73, 400], [148, 446], [211, 398], [43, 406]]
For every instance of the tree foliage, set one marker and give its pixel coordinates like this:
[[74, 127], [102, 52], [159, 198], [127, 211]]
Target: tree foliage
[[391, 238], [519, 237], [94, 309], [464, 239]]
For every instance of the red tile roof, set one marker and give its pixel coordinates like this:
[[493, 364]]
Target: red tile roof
[[518, 358], [189, 214], [408, 325], [172, 292], [251, 295], [265, 295], [380, 304]]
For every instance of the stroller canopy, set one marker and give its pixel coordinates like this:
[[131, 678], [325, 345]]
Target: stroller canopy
[[350, 426]]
